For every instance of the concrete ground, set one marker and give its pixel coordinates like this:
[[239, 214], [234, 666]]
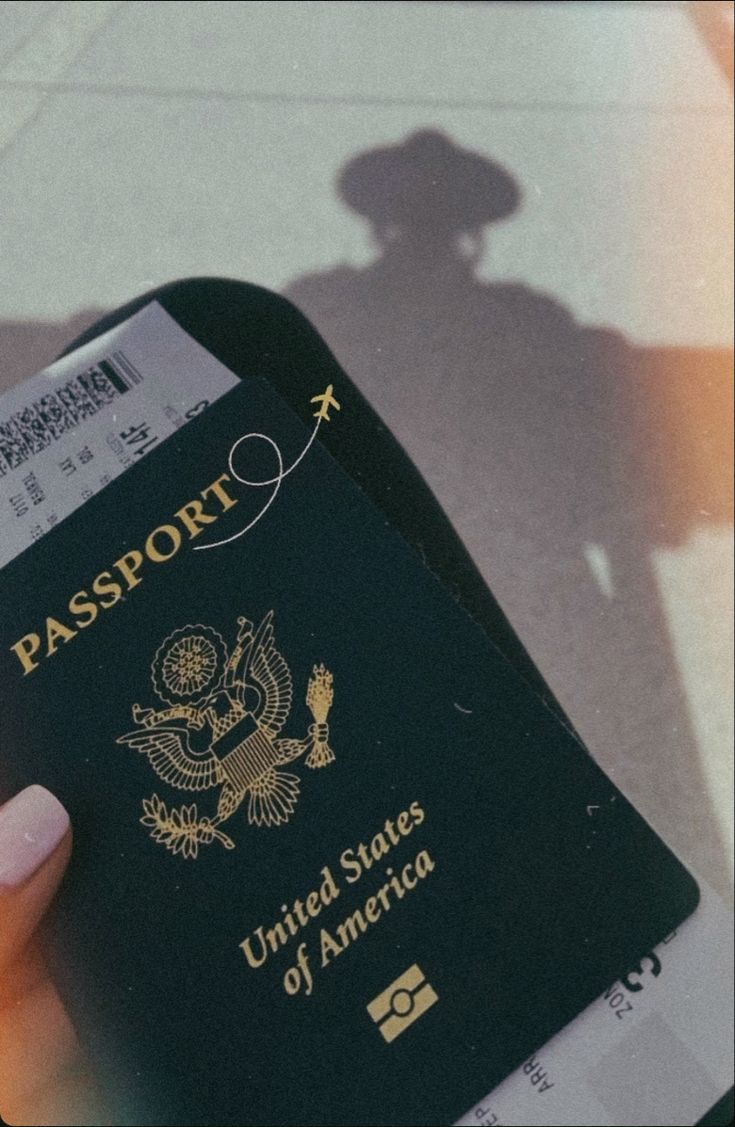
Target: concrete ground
[[559, 375]]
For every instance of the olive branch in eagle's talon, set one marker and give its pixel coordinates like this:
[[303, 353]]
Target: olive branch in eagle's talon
[[181, 831]]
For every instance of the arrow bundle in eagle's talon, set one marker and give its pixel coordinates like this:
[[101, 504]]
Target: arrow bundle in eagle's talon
[[319, 697]]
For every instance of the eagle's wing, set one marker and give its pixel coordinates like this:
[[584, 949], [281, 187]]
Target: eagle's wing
[[268, 669], [170, 757]]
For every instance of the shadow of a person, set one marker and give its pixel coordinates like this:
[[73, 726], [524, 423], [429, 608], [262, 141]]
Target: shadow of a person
[[536, 434]]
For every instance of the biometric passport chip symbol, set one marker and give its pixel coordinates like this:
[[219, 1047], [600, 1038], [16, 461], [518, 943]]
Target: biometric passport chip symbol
[[236, 704], [402, 1003]]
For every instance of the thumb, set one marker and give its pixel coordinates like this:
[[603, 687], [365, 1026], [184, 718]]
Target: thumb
[[44, 1078], [35, 845]]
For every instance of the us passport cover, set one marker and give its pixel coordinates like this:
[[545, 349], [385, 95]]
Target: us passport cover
[[335, 862]]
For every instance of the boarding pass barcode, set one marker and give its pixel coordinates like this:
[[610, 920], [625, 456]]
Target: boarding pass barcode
[[40, 423]]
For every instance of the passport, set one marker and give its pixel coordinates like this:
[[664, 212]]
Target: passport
[[335, 861]]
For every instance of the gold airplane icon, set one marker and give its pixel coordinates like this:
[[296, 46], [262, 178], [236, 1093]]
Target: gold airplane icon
[[327, 401]]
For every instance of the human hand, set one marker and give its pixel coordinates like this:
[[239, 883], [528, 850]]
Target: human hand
[[44, 1078]]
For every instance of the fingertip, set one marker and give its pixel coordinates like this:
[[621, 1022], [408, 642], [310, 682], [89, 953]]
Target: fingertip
[[32, 826]]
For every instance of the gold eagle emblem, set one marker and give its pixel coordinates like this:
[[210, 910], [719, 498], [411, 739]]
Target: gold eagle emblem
[[221, 728]]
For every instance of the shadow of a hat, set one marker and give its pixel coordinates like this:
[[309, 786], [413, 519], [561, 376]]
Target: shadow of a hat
[[428, 182]]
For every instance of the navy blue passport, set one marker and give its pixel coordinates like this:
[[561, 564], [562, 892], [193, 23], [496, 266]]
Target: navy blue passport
[[336, 862]]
